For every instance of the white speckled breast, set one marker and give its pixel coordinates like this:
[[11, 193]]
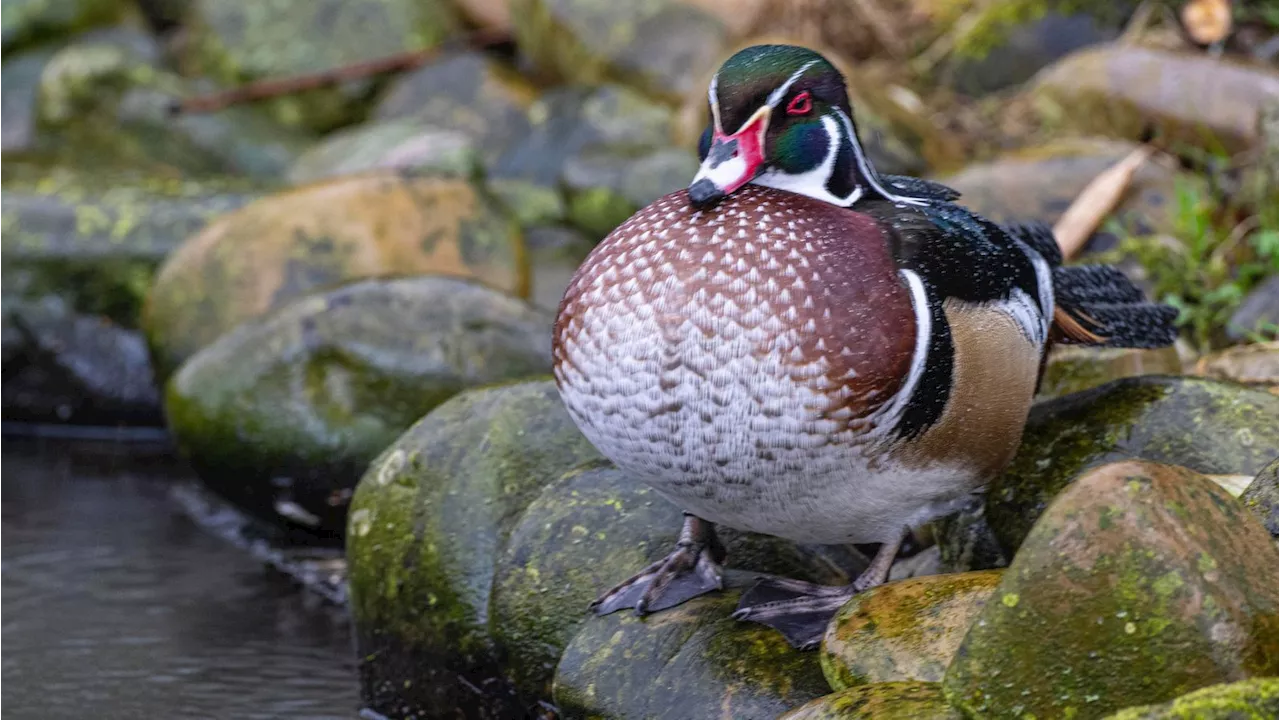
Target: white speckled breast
[[745, 362]]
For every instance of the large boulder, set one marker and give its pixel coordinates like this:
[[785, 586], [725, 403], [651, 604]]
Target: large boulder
[[239, 40], [690, 661], [297, 242], [896, 700], [1253, 699], [590, 530], [391, 145], [1125, 91], [1212, 427], [427, 524], [1141, 582], [658, 47], [907, 630], [283, 414]]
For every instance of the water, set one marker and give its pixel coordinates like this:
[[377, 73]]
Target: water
[[116, 605]]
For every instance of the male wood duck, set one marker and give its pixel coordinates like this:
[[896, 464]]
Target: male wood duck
[[803, 347]]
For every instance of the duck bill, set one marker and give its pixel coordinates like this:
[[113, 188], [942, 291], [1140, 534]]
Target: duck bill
[[733, 161]]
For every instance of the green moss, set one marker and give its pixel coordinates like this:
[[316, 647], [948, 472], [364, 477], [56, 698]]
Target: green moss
[[901, 700], [1253, 699], [597, 211], [438, 506], [689, 661], [1209, 426], [991, 25]]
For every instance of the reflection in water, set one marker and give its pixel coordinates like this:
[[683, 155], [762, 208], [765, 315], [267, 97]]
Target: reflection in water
[[117, 606]]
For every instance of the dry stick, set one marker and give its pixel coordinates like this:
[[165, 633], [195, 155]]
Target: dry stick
[[275, 87], [1098, 199]]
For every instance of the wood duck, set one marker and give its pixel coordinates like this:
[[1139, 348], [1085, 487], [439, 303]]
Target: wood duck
[[800, 346]]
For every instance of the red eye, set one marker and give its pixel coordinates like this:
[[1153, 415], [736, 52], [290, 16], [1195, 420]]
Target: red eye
[[800, 104]]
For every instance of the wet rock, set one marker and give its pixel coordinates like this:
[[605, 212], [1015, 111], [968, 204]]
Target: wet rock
[[297, 242], [907, 630], [657, 47], [1259, 309], [1125, 91], [590, 530], [901, 700], [1141, 582], [283, 414], [392, 145], [1253, 699], [1073, 368], [239, 40], [1257, 365], [1261, 499], [1041, 183], [427, 524], [692, 660], [606, 148], [25, 21], [63, 367], [466, 92], [20, 85], [95, 239], [555, 254], [1209, 426]]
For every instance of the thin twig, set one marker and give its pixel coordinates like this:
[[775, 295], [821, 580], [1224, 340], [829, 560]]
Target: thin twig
[[1098, 199], [275, 87]]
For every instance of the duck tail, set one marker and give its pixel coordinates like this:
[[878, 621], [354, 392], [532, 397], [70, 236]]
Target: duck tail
[[1097, 304]]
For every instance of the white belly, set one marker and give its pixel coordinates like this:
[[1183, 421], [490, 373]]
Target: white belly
[[727, 426]]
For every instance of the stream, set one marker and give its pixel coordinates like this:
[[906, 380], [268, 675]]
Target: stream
[[117, 605]]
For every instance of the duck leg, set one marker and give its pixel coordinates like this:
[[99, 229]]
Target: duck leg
[[801, 610], [692, 569]]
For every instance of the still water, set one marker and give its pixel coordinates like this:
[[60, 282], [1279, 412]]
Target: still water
[[116, 605]]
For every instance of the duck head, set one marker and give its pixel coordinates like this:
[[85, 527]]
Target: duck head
[[780, 117]]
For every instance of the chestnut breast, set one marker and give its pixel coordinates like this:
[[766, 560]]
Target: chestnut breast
[[766, 274]]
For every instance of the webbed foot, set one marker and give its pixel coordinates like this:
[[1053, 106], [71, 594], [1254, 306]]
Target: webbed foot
[[801, 611], [692, 569]]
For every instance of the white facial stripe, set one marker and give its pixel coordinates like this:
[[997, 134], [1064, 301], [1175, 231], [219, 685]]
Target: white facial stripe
[[888, 416], [776, 96], [814, 182], [725, 174], [712, 90], [867, 171]]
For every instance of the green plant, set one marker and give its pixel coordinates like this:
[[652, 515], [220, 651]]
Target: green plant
[[1207, 263]]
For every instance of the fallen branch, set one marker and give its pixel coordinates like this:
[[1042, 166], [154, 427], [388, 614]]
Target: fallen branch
[[276, 87], [1098, 199]]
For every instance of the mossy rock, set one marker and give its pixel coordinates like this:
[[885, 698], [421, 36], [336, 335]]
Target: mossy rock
[[239, 40], [658, 47], [297, 242], [906, 630], [1253, 699], [20, 85], [27, 21], [64, 367], [691, 661], [899, 700], [606, 186], [1210, 426], [966, 542], [283, 414], [467, 92], [1074, 368], [96, 239], [1140, 583], [391, 145], [1040, 183], [1125, 91], [585, 533], [1256, 365], [427, 525], [1261, 497]]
